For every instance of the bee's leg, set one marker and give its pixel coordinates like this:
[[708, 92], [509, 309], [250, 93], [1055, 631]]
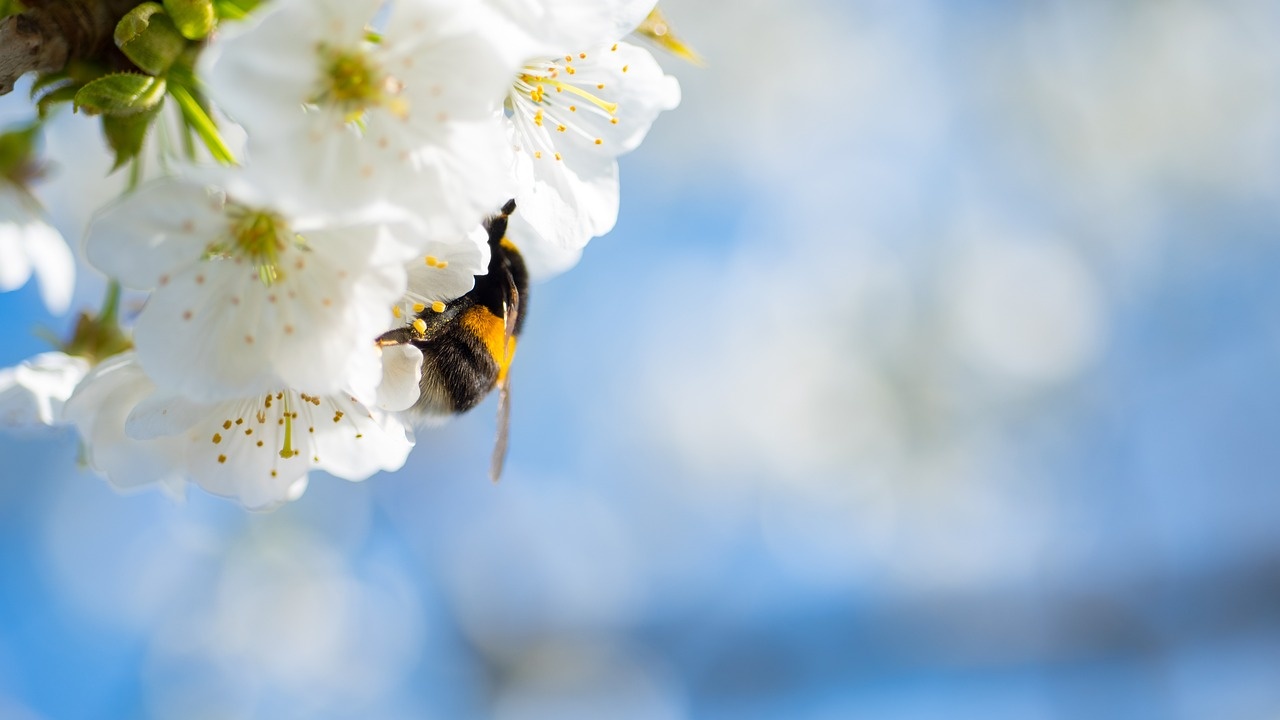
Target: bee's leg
[[399, 336]]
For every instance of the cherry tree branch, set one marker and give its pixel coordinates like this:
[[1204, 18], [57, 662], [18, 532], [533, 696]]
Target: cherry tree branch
[[52, 32]]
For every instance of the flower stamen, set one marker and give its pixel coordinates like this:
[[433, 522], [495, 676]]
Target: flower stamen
[[260, 237], [354, 84]]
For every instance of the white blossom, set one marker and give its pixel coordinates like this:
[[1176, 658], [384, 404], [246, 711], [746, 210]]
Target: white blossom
[[28, 243], [33, 392], [409, 116], [247, 298], [256, 449], [570, 117]]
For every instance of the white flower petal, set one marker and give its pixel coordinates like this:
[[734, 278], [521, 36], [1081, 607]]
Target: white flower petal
[[28, 242], [401, 373], [98, 409], [364, 444], [542, 259], [54, 264], [15, 266], [33, 393], [150, 233], [567, 202], [559, 24], [460, 181]]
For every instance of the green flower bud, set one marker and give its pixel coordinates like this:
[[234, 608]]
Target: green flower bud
[[149, 38], [194, 18]]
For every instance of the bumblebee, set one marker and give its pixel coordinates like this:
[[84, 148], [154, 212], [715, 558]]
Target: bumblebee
[[467, 347]]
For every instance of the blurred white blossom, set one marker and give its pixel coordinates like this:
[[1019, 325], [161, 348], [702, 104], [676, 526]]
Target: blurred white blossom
[[33, 392], [28, 243]]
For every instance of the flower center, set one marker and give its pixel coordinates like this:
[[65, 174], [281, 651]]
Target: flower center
[[354, 84], [260, 237], [271, 425], [551, 94]]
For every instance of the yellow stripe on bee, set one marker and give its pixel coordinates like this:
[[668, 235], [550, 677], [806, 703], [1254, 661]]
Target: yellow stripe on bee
[[492, 331]]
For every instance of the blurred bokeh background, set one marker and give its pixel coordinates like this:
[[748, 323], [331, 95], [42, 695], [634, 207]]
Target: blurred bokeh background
[[932, 371]]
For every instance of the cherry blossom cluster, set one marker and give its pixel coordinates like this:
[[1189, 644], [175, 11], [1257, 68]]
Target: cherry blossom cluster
[[379, 134]]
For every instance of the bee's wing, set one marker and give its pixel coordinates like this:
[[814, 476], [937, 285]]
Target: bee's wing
[[512, 312], [504, 424]]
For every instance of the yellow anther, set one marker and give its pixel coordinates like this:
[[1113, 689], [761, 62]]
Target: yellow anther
[[395, 312], [420, 326], [437, 306], [536, 95], [419, 307]]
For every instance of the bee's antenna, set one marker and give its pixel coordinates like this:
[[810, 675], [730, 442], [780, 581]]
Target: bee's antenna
[[509, 207]]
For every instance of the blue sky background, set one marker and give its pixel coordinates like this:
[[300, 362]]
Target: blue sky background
[[931, 371]]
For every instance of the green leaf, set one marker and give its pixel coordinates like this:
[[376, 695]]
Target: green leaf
[[44, 81], [125, 134], [120, 94], [149, 38], [17, 147], [194, 18], [67, 93]]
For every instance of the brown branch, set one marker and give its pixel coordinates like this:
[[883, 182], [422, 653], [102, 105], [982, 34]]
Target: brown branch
[[51, 32]]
